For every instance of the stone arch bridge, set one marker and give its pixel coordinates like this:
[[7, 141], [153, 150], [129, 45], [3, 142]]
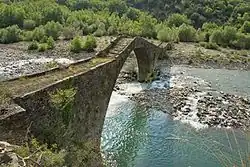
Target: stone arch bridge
[[26, 101]]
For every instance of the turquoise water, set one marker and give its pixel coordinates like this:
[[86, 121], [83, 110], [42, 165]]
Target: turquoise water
[[139, 137]]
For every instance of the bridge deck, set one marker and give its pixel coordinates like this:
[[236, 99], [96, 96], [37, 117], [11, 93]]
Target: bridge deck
[[22, 85]]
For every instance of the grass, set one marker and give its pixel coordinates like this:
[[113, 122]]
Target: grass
[[24, 85]]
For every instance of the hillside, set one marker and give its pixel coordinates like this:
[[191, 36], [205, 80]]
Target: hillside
[[224, 23]]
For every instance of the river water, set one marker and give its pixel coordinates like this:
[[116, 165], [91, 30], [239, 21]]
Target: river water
[[140, 137]]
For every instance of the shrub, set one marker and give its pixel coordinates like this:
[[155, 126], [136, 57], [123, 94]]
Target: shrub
[[167, 35], [53, 29], [38, 33], [111, 30], [176, 20], [187, 33], [246, 27], [33, 45], [43, 47], [229, 35], [70, 32], [89, 43], [29, 24], [217, 37], [209, 45], [91, 29], [242, 41], [11, 15], [208, 27], [76, 44], [51, 43], [99, 32], [10, 34]]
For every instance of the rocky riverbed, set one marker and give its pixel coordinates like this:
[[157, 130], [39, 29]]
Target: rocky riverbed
[[16, 60], [195, 101]]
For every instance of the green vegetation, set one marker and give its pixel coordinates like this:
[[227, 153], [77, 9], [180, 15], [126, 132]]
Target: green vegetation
[[167, 20], [78, 44], [33, 46], [34, 153]]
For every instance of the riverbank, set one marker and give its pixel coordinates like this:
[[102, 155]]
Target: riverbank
[[194, 100], [194, 55], [199, 101]]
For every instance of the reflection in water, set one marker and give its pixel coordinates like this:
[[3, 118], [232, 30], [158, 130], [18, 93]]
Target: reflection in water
[[139, 137]]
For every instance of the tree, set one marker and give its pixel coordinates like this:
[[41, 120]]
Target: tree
[[246, 27], [176, 20], [187, 33]]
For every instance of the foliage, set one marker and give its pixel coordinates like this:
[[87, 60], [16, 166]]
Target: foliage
[[53, 29], [217, 37], [176, 20], [167, 34], [51, 157], [209, 45], [51, 43], [43, 47], [63, 101], [10, 34], [29, 24], [38, 34], [219, 21], [76, 44], [187, 33], [33, 45], [70, 32], [11, 15], [246, 27], [89, 43]]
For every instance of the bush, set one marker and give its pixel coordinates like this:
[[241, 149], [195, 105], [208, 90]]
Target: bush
[[11, 15], [70, 32], [224, 37], [43, 47], [53, 29], [176, 20], [10, 34], [217, 37], [229, 35], [38, 33], [187, 33], [209, 45], [91, 29], [167, 34], [242, 41], [29, 24], [111, 30], [99, 32], [51, 43], [76, 44], [246, 27], [33, 45], [89, 43]]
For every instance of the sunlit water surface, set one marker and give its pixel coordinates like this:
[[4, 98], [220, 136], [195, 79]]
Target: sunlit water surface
[[138, 137]]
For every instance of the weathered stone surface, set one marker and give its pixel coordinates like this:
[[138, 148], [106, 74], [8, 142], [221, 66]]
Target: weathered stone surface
[[94, 88]]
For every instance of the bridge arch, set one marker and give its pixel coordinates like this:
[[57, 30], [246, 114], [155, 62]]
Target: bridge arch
[[94, 89]]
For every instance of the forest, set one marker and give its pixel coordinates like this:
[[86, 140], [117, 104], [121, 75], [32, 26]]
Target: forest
[[213, 23]]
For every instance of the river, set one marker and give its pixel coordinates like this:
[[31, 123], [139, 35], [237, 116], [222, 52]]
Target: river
[[139, 137]]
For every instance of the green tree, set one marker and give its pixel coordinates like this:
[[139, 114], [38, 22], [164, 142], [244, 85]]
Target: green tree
[[187, 33], [10, 34], [176, 20], [53, 29], [76, 44], [246, 27]]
